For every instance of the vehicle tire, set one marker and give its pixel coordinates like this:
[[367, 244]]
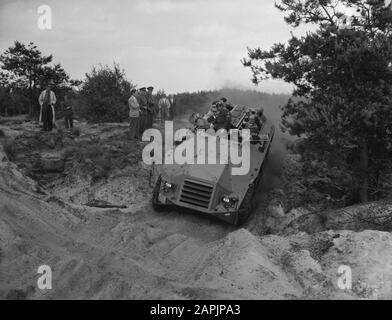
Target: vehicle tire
[[155, 202]]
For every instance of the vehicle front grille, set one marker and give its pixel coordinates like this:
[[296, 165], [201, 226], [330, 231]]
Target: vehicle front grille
[[196, 193]]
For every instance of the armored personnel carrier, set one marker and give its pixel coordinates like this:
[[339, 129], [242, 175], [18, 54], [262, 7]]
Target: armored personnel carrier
[[212, 189]]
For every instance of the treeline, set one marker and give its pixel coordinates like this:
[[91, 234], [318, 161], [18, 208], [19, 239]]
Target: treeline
[[103, 94], [26, 71]]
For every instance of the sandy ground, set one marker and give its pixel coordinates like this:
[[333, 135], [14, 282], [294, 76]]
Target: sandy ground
[[136, 253]]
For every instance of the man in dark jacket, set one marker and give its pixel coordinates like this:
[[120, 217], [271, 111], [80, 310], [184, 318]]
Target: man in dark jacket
[[143, 102], [227, 105], [223, 118], [150, 108]]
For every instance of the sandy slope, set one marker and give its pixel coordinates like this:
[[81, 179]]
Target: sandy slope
[[138, 253]]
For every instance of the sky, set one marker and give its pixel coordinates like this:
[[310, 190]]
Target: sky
[[175, 45]]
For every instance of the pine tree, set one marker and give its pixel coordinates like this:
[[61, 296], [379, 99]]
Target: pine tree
[[343, 88]]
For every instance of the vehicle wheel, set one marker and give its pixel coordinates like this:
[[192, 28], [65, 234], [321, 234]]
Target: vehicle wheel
[[155, 203]]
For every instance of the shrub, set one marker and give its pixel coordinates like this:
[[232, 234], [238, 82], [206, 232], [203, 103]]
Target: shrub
[[104, 95]]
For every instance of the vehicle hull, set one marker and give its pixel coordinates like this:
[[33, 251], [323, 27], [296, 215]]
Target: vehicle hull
[[199, 188]]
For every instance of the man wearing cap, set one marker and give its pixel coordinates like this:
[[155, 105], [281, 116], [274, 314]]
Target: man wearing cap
[[150, 107], [142, 100], [227, 105], [47, 100], [134, 115], [210, 115]]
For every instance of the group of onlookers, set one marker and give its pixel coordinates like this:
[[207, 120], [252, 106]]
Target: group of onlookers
[[143, 109]]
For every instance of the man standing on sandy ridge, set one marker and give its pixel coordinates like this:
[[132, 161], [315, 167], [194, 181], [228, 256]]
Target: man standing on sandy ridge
[[173, 107], [47, 100], [164, 108], [150, 107], [134, 115], [142, 100]]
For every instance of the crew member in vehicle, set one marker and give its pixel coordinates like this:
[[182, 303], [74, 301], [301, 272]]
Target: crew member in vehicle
[[227, 105], [253, 124], [223, 118], [210, 115], [261, 115]]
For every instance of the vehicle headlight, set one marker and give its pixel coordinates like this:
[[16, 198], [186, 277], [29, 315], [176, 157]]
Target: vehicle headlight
[[226, 199], [168, 186], [229, 202]]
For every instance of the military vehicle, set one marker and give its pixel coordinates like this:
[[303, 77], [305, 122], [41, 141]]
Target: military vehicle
[[211, 189]]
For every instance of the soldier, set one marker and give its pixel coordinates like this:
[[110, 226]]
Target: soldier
[[261, 115], [150, 107], [212, 113], [253, 124], [47, 99], [223, 119], [227, 105], [142, 100], [134, 115]]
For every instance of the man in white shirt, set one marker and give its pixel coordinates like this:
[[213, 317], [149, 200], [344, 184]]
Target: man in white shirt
[[47, 100], [164, 108], [134, 115]]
